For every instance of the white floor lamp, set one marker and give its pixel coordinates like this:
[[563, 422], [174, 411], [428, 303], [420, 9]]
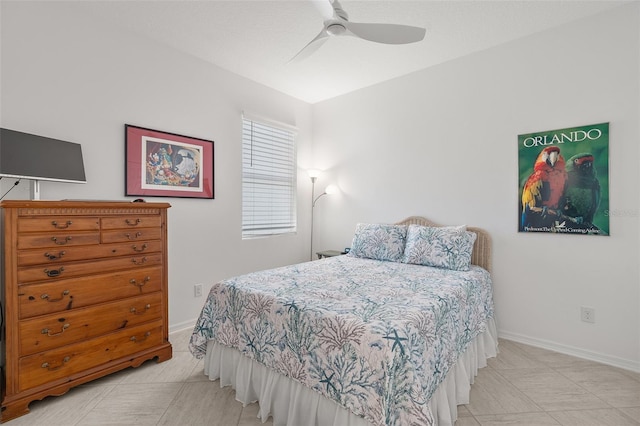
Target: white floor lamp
[[331, 189]]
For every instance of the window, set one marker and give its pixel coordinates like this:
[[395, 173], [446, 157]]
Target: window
[[268, 179]]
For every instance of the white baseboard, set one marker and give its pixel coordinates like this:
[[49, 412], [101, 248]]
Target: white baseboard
[[626, 364], [174, 328]]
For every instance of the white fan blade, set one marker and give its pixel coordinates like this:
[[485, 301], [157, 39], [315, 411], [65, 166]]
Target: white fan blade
[[311, 47], [325, 8], [387, 33]]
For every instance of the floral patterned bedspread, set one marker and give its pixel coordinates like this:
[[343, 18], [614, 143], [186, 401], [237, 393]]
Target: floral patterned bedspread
[[376, 337]]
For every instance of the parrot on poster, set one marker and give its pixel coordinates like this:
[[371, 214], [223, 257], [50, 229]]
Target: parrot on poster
[[583, 189], [543, 191]]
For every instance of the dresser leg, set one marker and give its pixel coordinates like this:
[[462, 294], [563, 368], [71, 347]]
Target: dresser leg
[[13, 410], [164, 354]]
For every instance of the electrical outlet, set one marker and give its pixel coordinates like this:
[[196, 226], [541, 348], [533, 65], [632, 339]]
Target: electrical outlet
[[587, 314], [197, 290]]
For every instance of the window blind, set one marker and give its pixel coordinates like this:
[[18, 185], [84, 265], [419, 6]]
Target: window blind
[[268, 179]]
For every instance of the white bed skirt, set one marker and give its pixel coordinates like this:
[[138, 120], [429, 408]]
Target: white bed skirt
[[290, 403]]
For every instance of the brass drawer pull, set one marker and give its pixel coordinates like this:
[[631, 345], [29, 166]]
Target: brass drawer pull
[[146, 308], [54, 272], [139, 262], [47, 297], [135, 339], [48, 333], [54, 256], [143, 248], [134, 282], [61, 243], [135, 236], [132, 222], [61, 226], [64, 361]]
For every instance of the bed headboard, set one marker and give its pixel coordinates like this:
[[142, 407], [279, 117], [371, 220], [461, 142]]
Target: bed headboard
[[481, 254]]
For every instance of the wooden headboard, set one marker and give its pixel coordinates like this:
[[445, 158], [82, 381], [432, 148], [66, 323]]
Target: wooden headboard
[[481, 254]]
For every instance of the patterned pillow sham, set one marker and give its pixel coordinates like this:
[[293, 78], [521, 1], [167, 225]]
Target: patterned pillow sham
[[379, 241], [444, 247]]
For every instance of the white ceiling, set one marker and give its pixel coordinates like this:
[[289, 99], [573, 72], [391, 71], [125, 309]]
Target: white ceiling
[[256, 39]]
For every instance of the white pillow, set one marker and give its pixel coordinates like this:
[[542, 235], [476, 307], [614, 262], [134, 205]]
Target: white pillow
[[442, 247], [379, 241]]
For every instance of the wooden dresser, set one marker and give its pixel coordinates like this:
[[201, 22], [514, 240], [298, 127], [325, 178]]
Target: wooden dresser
[[84, 294]]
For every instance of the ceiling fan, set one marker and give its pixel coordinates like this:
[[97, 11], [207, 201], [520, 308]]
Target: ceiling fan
[[336, 23]]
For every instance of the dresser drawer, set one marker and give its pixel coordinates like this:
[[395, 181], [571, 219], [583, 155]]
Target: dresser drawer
[[52, 331], [31, 274], [131, 235], [56, 223], [63, 295], [61, 363], [131, 222], [52, 256], [58, 239]]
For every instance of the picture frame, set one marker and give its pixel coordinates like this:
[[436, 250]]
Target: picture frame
[[163, 164], [563, 181]]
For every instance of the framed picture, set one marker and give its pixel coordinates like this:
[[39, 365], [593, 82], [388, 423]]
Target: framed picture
[[564, 181], [161, 164]]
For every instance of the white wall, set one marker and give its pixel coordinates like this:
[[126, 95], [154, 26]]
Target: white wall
[[442, 143], [70, 77], [439, 143]]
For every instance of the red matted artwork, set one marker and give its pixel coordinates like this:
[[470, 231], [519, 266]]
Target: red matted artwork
[[161, 164]]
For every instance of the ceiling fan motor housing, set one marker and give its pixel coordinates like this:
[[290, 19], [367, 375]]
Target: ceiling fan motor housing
[[336, 29]]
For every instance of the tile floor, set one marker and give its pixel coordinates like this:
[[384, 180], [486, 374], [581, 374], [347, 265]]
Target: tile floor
[[522, 386]]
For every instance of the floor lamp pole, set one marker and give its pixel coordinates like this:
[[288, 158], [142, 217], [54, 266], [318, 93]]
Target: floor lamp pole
[[313, 194], [314, 199]]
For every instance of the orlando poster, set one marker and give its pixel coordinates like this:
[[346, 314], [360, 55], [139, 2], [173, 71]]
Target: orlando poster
[[564, 181]]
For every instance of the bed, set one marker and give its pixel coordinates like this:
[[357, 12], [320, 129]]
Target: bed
[[391, 334]]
